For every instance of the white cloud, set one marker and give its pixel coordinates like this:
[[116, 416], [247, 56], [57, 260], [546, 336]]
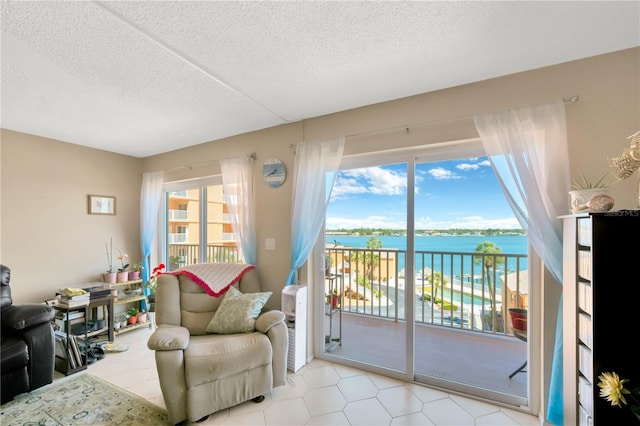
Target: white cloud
[[372, 180], [440, 173], [467, 166]]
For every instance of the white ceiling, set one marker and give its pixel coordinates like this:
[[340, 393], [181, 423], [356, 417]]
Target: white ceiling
[[146, 77]]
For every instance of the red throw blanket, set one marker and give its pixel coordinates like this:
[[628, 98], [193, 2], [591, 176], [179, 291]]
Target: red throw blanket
[[214, 278]]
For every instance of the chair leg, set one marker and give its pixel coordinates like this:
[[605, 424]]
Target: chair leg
[[520, 369]]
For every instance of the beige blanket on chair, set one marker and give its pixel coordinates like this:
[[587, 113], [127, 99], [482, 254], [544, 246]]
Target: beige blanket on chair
[[214, 278]]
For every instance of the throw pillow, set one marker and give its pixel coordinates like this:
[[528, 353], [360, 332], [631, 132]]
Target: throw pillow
[[237, 312]]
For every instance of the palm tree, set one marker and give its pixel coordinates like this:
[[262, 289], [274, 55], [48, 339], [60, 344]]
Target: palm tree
[[490, 261], [370, 259], [435, 278]]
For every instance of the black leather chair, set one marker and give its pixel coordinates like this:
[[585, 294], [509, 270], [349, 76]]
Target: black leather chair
[[27, 348]]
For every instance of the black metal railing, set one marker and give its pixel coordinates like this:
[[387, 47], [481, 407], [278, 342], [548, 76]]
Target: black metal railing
[[471, 291]]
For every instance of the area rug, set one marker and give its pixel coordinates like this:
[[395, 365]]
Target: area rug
[[81, 400]]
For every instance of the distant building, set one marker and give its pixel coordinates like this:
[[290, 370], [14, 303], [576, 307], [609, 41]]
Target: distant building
[[183, 223]]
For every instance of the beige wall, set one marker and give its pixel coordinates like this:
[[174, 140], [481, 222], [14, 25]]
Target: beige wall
[[598, 124], [49, 240], [46, 236]]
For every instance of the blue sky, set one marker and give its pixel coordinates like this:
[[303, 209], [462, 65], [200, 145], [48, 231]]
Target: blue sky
[[449, 194]]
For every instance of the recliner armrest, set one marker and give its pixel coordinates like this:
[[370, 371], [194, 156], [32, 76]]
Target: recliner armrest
[[268, 319], [20, 317], [169, 338]]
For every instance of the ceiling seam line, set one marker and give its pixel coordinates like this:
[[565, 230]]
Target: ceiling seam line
[[188, 61]]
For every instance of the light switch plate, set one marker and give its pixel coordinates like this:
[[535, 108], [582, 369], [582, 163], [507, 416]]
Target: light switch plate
[[270, 244]]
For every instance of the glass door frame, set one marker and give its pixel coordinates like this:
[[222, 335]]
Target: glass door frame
[[412, 156]]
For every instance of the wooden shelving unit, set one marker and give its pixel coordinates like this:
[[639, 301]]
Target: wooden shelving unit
[[132, 327], [131, 300]]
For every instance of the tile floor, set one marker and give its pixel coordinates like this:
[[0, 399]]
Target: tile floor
[[321, 393]]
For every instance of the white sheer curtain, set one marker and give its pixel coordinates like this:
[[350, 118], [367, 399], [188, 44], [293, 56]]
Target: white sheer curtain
[[150, 198], [237, 181], [528, 151], [315, 167]]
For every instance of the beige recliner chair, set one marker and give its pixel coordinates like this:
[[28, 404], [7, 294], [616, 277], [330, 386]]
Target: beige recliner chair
[[203, 372]]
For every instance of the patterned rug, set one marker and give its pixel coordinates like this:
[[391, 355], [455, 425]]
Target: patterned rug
[[81, 400]]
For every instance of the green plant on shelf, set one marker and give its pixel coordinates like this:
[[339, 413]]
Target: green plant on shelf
[[132, 312], [585, 183]]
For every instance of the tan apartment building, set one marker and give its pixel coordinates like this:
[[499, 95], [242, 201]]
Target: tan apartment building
[[184, 226]]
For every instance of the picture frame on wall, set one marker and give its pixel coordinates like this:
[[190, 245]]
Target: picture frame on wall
[[102, 204]]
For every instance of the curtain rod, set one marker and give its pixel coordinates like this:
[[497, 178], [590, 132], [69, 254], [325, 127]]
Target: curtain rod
[[200, 163], [407, 128]]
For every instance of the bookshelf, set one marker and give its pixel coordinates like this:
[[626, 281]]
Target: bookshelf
[[599, 300], [69, 356]]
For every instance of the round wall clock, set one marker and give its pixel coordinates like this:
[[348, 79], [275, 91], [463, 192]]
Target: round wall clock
[[273, 172]]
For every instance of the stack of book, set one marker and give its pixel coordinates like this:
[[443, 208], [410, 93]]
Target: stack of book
[[64, 318], [72, 299]]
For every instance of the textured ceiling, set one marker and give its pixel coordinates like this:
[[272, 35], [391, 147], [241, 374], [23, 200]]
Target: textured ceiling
[[146, 77]]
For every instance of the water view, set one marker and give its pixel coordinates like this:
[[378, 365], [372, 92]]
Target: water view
[[509, 244]]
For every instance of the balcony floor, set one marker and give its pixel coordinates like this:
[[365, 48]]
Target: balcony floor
[[471, 358]]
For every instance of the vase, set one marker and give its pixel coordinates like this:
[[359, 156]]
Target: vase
[[132, 319], [334, 301], [109, 277], [134, 275], [580, 198], [123, 277], [142, 317]]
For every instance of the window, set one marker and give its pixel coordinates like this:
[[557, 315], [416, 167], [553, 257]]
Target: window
[[197, 226]]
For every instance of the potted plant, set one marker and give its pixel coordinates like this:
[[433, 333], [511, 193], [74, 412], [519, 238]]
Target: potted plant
[[584, 190], [123, 274], [133, 315], [174, 262], [151, 285], [110, 275], [124, 319], [134, 273]]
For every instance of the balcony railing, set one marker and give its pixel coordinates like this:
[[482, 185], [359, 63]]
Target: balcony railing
[[467, 291], [178, 214], [470, 291], [177, 238], [190, 253]]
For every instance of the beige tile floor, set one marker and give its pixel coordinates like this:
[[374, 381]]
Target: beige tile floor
[[321, 393]]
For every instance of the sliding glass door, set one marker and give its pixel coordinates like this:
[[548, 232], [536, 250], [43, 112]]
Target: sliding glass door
[[471, 268], [424, 260], [366, 248]]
